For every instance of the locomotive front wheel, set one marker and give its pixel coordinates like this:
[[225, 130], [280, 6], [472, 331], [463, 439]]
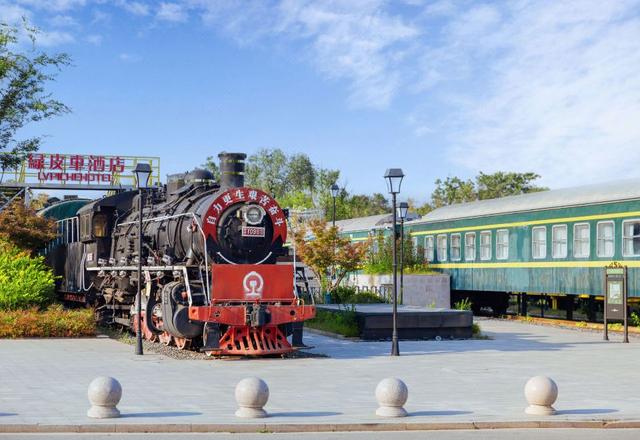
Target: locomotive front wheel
[[165, 338], [182, 343]]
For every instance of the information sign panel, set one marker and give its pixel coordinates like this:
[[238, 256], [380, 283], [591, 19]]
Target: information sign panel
[[615, 297]]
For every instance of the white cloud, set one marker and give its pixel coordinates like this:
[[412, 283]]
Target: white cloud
[[171, 12], [357, 41], [135, 8], [63, 21], [94, 39], [12, 13], [54, 38], [53, 5], [552, 87], [128, 57]]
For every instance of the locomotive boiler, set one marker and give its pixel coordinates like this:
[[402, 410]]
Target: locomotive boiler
[[215, 272]]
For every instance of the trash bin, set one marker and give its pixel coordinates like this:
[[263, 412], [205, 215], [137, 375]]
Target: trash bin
[[327, 298]]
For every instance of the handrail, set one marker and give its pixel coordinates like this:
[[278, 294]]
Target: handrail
[[2, 208]]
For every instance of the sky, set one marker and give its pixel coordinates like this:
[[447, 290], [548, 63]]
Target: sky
[[438, 88]]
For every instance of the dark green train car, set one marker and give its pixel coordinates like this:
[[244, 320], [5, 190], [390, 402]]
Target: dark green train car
[[554, 243]]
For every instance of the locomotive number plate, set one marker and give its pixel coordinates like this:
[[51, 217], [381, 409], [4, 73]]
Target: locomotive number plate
[[252, 231]]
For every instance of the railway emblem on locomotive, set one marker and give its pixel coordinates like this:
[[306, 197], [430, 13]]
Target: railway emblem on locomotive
[[253, 284]]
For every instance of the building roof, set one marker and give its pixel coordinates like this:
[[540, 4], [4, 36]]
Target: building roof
[[583, 195], [370, 222]]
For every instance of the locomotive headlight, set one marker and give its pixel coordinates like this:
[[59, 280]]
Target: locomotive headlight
[[253, 215]]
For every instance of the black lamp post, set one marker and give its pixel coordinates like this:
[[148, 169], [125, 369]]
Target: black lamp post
[[394, 178], [335, 190], [142, 173], [403, 208]]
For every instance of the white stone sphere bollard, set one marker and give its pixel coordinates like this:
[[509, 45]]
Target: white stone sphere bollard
[[252, 394], [104, 394], [541, 392], [391, 394]]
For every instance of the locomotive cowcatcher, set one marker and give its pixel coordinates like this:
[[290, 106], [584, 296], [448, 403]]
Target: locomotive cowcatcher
[[215, 272]]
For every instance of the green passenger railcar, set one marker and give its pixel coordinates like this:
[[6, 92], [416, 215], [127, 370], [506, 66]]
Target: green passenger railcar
[[553, 242]]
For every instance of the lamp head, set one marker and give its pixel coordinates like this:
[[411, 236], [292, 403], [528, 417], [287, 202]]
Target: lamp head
[[142, 173], [403, 209], [394, 178], [335, 190]]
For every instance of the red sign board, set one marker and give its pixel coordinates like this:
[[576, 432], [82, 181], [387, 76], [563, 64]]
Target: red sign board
[[244, 195], [252, 282], [74, 167], [86, 169]]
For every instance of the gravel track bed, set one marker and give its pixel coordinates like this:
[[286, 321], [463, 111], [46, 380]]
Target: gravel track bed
[[176, 353]]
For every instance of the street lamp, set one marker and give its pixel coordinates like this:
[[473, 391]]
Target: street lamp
[[142, 173], [335, 190], [394, 178], [403, 208]]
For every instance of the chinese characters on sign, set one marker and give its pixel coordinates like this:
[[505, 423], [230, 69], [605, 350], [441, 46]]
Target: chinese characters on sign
[[238, 195], [74, 168]]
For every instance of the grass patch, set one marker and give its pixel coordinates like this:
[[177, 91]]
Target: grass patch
[[476, 332], [54, 322], [343, 322]]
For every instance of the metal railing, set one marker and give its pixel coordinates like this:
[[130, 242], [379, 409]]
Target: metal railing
[[68, 230]]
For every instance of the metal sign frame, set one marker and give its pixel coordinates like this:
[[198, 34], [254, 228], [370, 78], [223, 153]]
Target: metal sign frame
[[615, 275]]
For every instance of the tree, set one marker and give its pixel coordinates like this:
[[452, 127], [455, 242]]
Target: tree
[[301, 174], [21, 227], [23, 98], [453, 190], [267, 170], [502, 184], [326, 250], [211, 164]]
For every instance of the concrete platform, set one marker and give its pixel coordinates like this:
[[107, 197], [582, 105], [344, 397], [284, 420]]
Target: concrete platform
[[462, 384], [376, 320]]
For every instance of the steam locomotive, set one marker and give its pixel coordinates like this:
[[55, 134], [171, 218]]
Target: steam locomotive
[[215, 272]]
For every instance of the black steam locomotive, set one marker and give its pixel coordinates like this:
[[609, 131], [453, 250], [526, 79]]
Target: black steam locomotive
[[215, 272]]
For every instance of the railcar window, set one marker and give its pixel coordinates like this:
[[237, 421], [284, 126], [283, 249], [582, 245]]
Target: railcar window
[[631, 238], [605, 246], [414, 247], [455, 247], [581, 240], [470, 246], [485, 245], [539, 242], [428, 248], [442, 247], [559, 241], [502, 244]]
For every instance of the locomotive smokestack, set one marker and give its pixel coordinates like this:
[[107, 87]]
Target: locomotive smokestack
[[231, 169]]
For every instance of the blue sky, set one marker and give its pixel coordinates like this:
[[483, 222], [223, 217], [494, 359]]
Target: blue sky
[[436, 87]]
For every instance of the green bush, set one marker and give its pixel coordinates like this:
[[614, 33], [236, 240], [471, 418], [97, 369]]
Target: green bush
[[635, 319], [348, 295], [25, 281], [343, 322]]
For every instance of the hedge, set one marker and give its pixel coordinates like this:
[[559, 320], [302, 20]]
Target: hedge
[[55, 322]]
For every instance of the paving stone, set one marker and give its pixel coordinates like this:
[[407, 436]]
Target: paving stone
[[45, 381]]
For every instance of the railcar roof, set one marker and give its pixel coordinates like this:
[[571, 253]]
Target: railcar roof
[[583, 195]]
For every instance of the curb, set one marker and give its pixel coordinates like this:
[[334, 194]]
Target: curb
[[300, 427]]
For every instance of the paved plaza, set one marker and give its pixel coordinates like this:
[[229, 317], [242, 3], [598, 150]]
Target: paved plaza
[[45, 381], [504, 434]]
